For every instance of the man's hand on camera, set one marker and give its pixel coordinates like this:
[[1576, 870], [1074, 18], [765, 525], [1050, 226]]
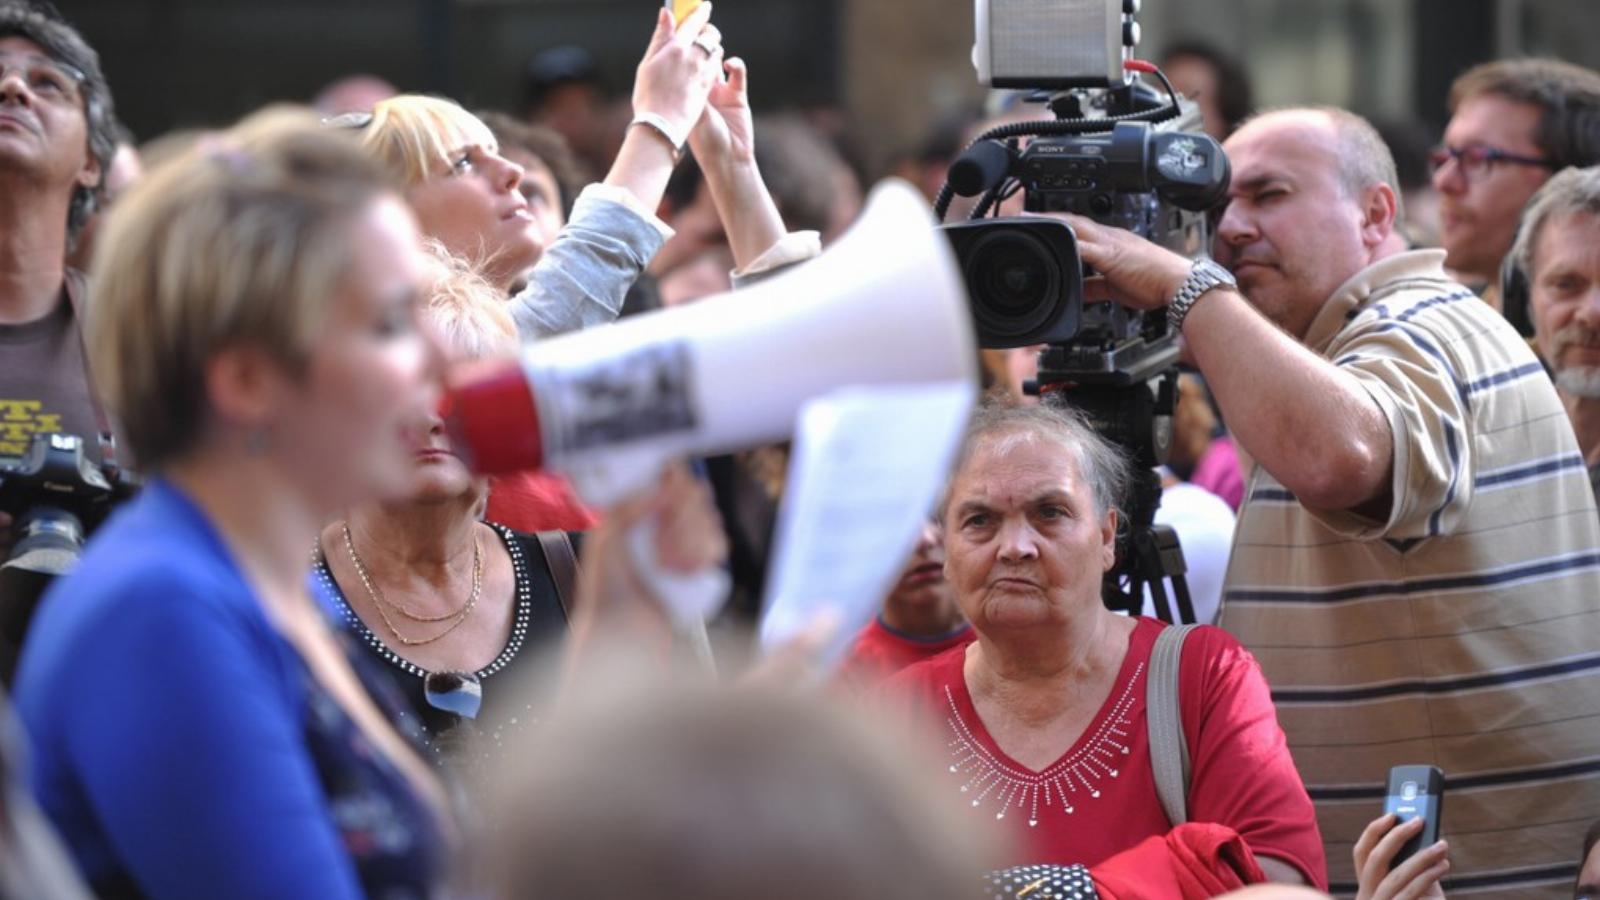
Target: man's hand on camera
[[1131, 270]]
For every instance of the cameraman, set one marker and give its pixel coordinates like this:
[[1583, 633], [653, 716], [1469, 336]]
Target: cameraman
[[1415, 565], [57, 137]]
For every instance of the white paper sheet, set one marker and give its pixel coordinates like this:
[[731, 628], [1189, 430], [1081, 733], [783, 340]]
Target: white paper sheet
[[867, 468]]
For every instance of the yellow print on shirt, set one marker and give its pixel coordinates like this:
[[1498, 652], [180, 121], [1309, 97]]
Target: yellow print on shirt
[[20, 420]]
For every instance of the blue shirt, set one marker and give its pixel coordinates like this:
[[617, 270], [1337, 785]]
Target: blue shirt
[[182, 748]]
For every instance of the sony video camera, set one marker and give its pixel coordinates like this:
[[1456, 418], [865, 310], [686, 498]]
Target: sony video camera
[[55, 495], [1116, 151], [1121, 153]]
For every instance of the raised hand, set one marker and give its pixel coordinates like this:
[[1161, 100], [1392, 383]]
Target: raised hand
[[1417, 877], [679, 68], [726, 131]]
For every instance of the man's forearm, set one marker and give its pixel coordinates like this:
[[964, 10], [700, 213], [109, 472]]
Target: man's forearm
[[1311, 426]]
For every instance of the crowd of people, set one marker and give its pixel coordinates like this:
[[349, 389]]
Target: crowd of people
[[307, 651]]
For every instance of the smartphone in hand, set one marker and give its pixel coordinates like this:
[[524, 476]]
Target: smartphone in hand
[[681, 8], [1415, 792]]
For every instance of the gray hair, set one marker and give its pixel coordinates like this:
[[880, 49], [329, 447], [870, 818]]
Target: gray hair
[[1101, 464], [64, 44], [1570, 192]]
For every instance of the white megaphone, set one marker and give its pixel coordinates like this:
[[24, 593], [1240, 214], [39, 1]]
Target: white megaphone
[[607, 407], [885, 305]]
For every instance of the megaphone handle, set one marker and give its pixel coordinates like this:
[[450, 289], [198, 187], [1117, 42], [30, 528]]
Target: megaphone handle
[[690, 598]]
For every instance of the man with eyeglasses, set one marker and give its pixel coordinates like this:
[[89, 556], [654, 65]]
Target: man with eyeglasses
[[1513, 123], [57, 137], [1416, 565]]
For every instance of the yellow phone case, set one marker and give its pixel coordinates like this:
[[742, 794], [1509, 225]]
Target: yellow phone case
[[682, 8]]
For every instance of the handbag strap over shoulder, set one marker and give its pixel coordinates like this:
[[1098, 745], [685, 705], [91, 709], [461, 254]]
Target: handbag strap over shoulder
[[563, 562], [1169, 750]]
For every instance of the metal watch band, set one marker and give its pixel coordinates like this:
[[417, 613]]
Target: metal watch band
[[1203, 276]]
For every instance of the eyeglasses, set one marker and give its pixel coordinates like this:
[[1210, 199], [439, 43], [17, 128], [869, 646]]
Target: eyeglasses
[[1475, 160], [454, 692], [47, 78]]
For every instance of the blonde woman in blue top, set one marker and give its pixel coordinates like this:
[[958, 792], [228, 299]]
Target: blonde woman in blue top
[[198, 729]]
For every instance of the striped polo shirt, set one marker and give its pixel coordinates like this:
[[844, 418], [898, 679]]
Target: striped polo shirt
[[1464, 631]]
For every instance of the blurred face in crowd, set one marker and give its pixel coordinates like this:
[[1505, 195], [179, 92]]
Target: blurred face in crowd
[[1196, 79], [539, 188], [373, 374], [1481, 201], [1024, 542], [475, 209], [43, 130], [1564, 290], [1290, 234], [922, 586]]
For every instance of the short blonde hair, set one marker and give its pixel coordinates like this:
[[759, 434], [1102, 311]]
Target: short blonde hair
[[414, 136], [467, 311], [239, 241]]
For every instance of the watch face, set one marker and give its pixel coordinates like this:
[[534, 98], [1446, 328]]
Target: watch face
[[1216, 271]]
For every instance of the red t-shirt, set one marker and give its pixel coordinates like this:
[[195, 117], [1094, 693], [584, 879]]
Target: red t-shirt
[[880, 651], [536, 501], [1099, 797]]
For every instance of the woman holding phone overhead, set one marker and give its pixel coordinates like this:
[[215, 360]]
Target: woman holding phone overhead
[[464, 192]]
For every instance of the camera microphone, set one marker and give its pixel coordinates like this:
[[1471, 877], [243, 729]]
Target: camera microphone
[[980, 167]]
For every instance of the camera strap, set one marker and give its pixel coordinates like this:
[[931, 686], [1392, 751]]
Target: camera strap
[[1169, 748], [74, 286]]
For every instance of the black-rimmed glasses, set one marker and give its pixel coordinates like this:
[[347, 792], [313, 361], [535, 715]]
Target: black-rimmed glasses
[[1476, 160]]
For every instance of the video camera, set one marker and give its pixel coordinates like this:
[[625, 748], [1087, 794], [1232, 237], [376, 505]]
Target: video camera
[[1117, 152], [55, 495]]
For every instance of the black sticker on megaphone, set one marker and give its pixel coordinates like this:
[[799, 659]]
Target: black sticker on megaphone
[[631, 396]]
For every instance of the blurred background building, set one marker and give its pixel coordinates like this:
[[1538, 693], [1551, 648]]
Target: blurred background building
[[885, 71]]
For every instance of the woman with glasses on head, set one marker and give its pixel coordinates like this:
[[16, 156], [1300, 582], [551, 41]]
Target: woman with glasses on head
[[198, 728], [465, 193]]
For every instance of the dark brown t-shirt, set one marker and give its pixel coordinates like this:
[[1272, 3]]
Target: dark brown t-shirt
[[44, 386]]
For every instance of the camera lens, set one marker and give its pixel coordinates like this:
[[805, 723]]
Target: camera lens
[[1014, 280]]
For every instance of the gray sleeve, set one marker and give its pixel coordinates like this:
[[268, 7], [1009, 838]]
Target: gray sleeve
[[582, 278]]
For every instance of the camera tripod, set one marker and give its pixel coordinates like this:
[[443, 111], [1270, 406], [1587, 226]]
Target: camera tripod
[[1130, 401]]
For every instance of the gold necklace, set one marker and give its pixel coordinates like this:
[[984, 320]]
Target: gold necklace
[[380, 602]]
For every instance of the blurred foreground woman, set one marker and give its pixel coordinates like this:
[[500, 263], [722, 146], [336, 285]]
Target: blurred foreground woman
[[198, 728]]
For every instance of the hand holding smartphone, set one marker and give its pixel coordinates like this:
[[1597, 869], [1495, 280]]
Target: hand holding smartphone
[[1415, 792]]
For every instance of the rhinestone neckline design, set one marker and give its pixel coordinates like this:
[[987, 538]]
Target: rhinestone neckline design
[[519, 624], [1064, 784]]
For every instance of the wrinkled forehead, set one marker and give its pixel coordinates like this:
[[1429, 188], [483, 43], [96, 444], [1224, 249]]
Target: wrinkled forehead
[[1027, 460], [1296, 145], [1568, 239]]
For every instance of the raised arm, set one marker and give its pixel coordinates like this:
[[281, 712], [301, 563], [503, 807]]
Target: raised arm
[[724, 145], [669, 95], [1309, 423]]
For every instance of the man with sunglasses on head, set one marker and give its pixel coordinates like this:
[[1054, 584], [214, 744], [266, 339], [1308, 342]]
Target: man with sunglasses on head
[[1513, 123], [57, 138]]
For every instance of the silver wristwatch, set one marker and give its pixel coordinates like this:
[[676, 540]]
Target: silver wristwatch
[[1204, 275]]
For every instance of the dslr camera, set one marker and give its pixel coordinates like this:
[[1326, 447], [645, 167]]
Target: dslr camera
[[1122, 153], [55, 495]]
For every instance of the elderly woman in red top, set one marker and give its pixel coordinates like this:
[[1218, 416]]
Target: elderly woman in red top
[[1043, 717]]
